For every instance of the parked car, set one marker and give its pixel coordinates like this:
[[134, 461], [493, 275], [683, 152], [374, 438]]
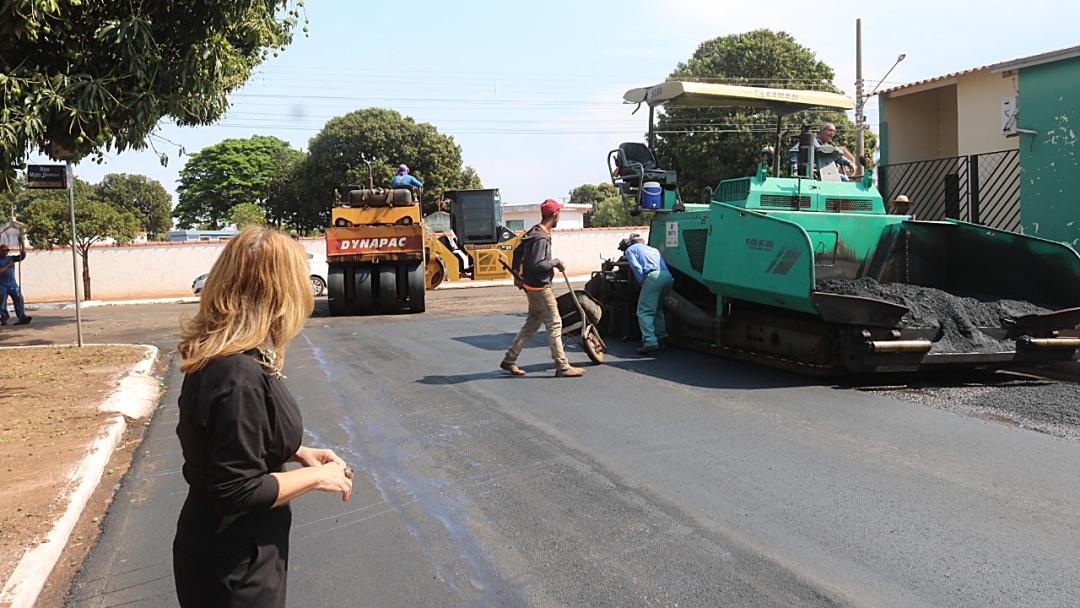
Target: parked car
[[317, 266], [319, 269], [198, 284]]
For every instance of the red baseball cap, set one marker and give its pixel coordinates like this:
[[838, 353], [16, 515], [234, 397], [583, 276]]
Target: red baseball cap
[[550, 206]]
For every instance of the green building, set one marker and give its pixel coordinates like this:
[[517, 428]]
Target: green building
[[1048, 127]]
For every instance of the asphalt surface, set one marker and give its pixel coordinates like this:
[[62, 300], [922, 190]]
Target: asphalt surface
[[682, 480]]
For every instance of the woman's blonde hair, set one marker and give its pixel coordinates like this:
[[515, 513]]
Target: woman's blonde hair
[[257, 295]]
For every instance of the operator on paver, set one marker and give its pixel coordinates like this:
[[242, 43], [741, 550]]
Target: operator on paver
[[533, 269], [652, 274], [822, 159], [404, 180]]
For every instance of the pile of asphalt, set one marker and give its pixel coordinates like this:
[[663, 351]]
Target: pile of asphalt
[[956, 318]]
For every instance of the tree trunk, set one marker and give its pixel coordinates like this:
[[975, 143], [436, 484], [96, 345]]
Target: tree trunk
[[86, 272]]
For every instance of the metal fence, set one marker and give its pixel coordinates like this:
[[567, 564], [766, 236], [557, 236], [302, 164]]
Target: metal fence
[[980, 188]]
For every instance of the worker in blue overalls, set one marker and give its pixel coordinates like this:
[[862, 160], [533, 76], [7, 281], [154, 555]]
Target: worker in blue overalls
[[652, 274]]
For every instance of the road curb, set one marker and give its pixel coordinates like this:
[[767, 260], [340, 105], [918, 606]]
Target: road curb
[[135, 397]]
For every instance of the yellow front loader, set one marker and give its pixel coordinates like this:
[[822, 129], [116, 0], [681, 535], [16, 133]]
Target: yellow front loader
[[476, 245]]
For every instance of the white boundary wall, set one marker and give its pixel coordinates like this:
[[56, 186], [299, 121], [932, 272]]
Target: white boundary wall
[[160, 270]]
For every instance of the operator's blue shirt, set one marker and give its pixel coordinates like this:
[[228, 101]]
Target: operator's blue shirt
[[404, 179], [7, 277], [643, 260]]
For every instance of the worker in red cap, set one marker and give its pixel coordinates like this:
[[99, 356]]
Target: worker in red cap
[[534, 268]]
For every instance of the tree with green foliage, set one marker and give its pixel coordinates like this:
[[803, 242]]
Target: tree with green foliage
[[220, 177], [608, 208], [9, 201], [588, 194], [145, 198], [80, 78], [247, 214], [470, 179], [283, 202], [386, 139], [707, 145], [47, 215], [612, 212]]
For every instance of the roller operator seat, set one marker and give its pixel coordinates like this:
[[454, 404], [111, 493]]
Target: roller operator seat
[[636, 164]]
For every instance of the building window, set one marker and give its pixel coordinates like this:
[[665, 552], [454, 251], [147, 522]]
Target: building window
[[515, 224]]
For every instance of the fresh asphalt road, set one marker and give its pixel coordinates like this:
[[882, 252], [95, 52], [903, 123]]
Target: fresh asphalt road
[[685, 480]]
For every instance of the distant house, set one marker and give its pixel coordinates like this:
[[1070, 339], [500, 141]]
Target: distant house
[[990, 145], [13, 234], [438, 221], [523, 217], [203, 236]]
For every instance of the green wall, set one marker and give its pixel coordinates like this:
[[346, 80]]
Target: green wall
[[1049, 167]]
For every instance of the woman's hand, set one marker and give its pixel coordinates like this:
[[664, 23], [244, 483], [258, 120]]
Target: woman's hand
[[310, 457], [335, 476], [323, 471], [331, 476]]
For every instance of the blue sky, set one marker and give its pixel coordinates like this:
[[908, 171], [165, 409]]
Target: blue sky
[[531, 91]]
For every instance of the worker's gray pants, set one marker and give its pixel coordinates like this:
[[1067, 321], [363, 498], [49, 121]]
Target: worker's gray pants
[[543, 310]]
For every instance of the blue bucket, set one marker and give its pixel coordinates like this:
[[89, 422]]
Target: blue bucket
[[650, 195]]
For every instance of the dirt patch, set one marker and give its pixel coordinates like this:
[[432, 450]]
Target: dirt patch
[[48, 418]]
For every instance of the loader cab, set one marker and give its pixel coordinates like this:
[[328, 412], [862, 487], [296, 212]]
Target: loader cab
[[476, 216]]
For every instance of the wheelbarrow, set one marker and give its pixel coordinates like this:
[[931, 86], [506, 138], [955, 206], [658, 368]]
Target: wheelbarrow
[[580, 313], [578, 320]]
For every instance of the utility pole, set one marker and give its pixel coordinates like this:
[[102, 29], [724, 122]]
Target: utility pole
[[859, 98]]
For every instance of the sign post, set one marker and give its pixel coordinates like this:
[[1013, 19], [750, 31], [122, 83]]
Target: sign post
[[58, 177], [70, 174]]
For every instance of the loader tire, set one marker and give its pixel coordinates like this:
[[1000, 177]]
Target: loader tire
[[434, 272]]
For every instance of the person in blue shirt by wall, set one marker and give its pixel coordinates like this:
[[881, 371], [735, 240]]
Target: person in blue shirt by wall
[[9, 287], [404, 180], [652, 274]]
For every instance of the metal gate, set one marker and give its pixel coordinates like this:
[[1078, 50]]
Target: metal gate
[[981, 188]]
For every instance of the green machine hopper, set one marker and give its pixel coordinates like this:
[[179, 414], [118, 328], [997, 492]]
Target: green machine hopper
[[811, 274]]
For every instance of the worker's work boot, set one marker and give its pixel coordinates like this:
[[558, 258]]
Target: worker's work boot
[[570, 372], [512, 368]]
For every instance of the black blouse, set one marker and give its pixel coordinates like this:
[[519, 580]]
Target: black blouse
[[238, 423]]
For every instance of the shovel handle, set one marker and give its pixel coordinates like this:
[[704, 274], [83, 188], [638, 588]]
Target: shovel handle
[[517, 277]]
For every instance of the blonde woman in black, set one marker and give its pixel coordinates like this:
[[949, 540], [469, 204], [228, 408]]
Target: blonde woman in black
[[239, 425]]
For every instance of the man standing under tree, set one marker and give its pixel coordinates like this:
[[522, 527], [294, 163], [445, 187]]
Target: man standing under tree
[[535, 268], [10, 287], [652, 274]]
